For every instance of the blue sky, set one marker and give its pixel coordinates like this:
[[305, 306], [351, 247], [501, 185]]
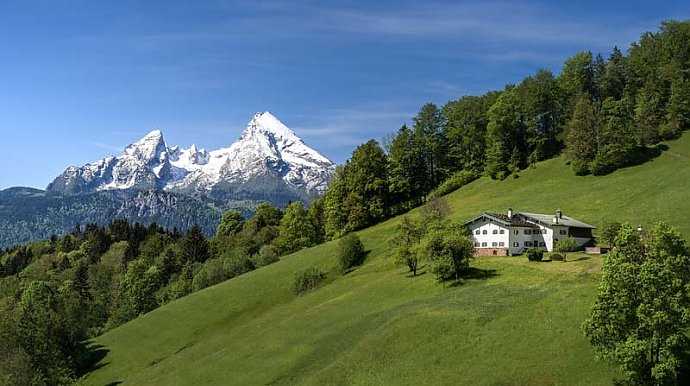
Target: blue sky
[[81, 79]]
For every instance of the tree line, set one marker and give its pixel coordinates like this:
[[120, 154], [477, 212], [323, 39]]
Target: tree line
[[603, 114], [57, 293]]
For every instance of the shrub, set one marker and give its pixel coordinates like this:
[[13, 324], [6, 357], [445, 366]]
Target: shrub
[[236, 263], [567, 244], [535, 254], [555, 257], [267, 255], [609, 232], [307, 280], [350, 252], [453, 183], [211, 273]]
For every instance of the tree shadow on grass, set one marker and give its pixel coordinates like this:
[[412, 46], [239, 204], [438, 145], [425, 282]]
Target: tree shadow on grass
[[91, 358], [473, 273], [361, 263], [578, 258], [640, 156]]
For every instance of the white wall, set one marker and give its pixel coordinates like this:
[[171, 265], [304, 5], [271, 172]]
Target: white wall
[[489, 238], [518, 235]]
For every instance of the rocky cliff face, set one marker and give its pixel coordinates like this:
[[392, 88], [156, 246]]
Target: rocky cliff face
[[269, 162]]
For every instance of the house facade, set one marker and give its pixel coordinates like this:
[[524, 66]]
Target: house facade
[[497, 234]]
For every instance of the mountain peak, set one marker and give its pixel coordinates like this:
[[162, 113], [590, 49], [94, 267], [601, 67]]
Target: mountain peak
[[269, 123], [148, 147]]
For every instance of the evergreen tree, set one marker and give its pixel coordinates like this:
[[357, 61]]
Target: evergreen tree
[[582, 137], [505, 132], [614, 80], [194, 246], [430, 145], [404, 171]]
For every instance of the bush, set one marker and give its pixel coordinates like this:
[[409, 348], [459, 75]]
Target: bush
[[307, 280], [535, 254], [453, 183], [267, 255], [609, 232], [555, 257], [567, 244], [211, 273], [350, 252], [236, 263]]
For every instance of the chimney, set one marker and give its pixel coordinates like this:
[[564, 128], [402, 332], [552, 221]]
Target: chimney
[[559, 214], [510, 212]]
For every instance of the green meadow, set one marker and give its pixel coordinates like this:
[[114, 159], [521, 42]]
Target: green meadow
[[510, 322]]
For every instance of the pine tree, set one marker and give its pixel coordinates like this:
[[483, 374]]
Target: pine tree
[[404, 171], [429, 142], [582, 135], [194, 246], [504, 134]]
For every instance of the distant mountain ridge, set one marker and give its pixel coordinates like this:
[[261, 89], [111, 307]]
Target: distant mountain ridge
[[151, 181], [268, 162]]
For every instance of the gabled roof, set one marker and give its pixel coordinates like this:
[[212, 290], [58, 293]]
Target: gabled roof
[[524, 219], [547, 220], [504, 220]]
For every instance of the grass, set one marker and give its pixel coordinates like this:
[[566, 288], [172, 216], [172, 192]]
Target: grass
[[514, 323]]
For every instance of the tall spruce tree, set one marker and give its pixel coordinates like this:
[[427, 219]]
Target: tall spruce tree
[[429, 142], [582, 136]]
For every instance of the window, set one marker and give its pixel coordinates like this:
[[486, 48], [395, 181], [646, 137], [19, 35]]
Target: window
[[563, 232], [494, 244], [502, 231], [528, 231], [484, 231], [484, 244], [516, 244], [476, 244], [500, 244], [495, 231], [477, 232], [528, 243], [542, 244]]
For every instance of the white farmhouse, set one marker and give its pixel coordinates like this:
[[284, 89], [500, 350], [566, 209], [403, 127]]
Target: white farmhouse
[[512, 233]]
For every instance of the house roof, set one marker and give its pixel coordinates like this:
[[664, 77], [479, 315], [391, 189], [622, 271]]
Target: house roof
[[505, 220], [547, 220], [520, 219]]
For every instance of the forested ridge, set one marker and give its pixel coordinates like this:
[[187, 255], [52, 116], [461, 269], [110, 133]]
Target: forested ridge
[[603, 113]]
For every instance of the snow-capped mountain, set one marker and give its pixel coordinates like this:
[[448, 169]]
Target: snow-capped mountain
[[268, 162]]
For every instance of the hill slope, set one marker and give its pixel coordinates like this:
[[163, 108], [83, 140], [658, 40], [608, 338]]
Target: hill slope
[[516, 323]]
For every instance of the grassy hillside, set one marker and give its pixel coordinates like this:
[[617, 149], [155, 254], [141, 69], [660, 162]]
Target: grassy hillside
[[516, 323]]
